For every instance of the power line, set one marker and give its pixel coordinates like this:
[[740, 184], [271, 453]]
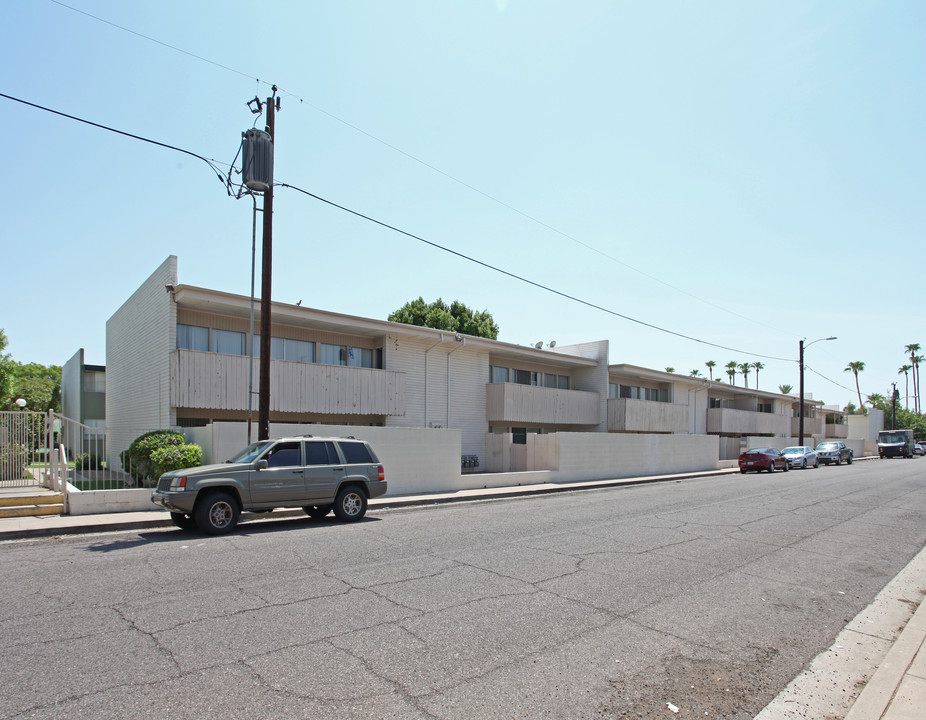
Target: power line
[[436, 169], [851, 390], [526, 280], [407, 234]]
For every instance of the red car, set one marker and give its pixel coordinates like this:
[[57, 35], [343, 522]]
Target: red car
[[768, 459]]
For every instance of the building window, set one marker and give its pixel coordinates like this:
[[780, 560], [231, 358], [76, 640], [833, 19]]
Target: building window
[[498, 374], [192, 337], [360, 357], [227, 342], [612, 390], [765, 407], [333, 354]]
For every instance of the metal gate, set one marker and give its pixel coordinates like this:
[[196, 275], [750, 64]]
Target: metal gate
[[25, 442]]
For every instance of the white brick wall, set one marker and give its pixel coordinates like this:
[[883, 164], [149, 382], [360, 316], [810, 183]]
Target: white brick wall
[[139, 337]]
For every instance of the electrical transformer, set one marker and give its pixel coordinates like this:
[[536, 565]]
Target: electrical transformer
[[257, 160]]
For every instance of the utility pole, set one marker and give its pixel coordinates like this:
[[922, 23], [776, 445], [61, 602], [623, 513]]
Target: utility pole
[[800, 412], [263, 403], [894, 395]]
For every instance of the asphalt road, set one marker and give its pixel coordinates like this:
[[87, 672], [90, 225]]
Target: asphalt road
[[710, 594]]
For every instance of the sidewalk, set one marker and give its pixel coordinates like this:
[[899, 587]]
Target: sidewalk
[[895, 691]]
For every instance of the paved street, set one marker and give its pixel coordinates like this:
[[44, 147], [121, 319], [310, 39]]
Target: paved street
[[710, 594]]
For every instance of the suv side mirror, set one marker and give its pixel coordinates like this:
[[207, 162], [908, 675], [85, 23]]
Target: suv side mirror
[[261, 465]]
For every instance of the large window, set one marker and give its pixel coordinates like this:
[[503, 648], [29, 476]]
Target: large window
[[644, 393], [498, 374], [192, 337], [333, 354], [227, 342], [360, 357]]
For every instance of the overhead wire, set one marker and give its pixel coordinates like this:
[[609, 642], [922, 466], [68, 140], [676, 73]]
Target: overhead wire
[[434, 168], [524, 279]]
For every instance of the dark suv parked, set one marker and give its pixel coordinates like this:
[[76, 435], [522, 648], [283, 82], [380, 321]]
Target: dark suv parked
[[317, 474], [834, 451]]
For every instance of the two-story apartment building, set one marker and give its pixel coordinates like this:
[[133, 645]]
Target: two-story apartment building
[[180, 355]]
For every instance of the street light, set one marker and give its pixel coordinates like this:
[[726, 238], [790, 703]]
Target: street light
[[800, 421], [21, 404]]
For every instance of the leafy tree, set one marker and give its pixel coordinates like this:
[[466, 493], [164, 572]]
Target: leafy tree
[[902, 418], [757, 366], [695, 373], [785, 389], [710, 365], [876, 399], [670, 369], [855, 368], [745, 368], [38, 385], [905, 369], [455, 317], [731, 371], [5, 378]]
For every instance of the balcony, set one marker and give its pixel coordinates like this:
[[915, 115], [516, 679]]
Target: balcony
[[213, 381], [812, 426], [727, 421], [646, 416], [515, 404]]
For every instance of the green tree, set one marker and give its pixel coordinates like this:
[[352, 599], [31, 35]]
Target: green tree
[[455, 317], [710, 365], [670, 369], [695, 373], [6, 386], [757, 366], [905, 369], [745, 368], [731, 371], [38, 385], [855, 368], [785, 389], [913, 349]]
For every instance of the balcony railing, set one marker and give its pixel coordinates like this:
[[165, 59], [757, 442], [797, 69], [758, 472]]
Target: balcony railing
[[839, 431], [531, 405], [214, 381], [727, 421], [812, 426], [646, 416]]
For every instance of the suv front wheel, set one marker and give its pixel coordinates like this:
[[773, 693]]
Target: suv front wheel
[[217, 513], [350, 504]]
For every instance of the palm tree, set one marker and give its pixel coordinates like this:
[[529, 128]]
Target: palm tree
[[913, 349], [876, 399], [731, 371], [710, 365], [785, 389], [855, 368], [745, 368], [905, 369], [695, 373], [758, 366], [670, 369]]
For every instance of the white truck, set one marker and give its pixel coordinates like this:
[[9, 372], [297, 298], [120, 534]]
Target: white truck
[[895, 443]]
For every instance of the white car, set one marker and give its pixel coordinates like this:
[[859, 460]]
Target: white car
[[801, 456]]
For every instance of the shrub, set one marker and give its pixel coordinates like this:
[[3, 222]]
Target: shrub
[[12, 461], [87, 461], [137, 459], [175, 457]]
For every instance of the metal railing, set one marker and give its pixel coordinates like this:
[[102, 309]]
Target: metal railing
[[25, 446]]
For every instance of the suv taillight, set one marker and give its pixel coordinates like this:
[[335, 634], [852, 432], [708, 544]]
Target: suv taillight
[[381, 474]]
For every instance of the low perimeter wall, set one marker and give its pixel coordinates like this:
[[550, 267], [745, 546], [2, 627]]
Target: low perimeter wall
[[421, 461]]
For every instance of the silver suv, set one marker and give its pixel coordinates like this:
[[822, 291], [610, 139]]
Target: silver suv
[[318, 474]]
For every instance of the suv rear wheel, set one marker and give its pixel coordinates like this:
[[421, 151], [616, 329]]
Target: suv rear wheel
[[217, 513], [350, 504]]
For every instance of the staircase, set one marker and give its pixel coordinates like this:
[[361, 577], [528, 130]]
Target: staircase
[[30, 503]]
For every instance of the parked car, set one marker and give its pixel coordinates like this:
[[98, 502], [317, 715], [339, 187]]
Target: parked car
[[318, 474], [834, 451], [801, 456], [919, 449], [768, 459]]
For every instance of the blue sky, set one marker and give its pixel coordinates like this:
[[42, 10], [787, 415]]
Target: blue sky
[[747, 174]]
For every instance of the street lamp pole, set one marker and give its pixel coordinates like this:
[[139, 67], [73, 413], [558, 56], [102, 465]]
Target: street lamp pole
[[800, 420]]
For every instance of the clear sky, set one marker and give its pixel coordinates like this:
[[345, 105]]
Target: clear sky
[[744, 173]]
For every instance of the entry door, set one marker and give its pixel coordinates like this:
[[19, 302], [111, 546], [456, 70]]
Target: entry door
[[283, 481], [323, 470]]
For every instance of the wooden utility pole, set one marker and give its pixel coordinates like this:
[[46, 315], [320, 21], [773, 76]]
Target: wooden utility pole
[[263, 403]]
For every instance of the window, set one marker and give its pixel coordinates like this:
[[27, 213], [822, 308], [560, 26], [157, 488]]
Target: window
[[498, 374], [333, 354], [356, 452], [227, 342], [549, 380], [612, 390], [556, 381], [765, 407], [192, 337], [562, 382], [285, 454], [320, 453], [359, 357]]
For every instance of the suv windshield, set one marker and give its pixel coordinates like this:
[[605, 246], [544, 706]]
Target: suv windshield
[[250, 452], [827, 446]]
